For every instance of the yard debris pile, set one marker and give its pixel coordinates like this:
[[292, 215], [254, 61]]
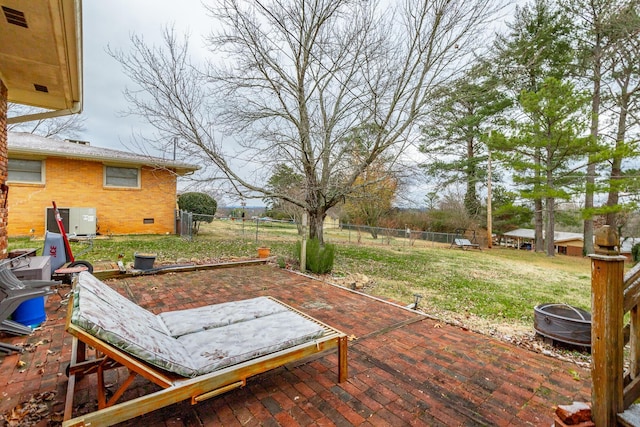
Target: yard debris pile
[[32, 347], [36, 409], [534, 343], [356, 281]]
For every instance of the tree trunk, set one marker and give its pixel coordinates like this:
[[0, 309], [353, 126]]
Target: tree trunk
[[373, 231], [614, 191], [550, 201], [588, 206], [595, 122], [538, 220], [550, 227], [615, 178], [316, 219], [538, 213], [471, 198]]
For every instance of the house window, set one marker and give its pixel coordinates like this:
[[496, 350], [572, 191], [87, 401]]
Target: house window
[[20, 170], [121, 177]]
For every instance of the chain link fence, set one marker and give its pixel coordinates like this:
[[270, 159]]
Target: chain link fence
[[355, 231], [257, 228], [247, 229], [184, 226]]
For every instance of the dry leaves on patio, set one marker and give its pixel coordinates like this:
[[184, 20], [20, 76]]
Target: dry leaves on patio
[[30, 412]]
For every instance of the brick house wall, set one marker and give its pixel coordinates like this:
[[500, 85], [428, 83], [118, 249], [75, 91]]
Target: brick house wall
[[3, 169], [79, 183]]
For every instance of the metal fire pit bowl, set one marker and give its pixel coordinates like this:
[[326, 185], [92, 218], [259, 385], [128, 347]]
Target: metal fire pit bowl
[[564, 323]]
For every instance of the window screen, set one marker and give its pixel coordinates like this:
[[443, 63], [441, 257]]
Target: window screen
[[24, 170], [121, 177]]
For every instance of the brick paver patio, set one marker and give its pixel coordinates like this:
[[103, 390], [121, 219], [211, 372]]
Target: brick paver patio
[[404, 368]]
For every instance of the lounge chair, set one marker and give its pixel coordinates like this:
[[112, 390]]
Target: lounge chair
[[465, 244], [14, 292], [192, 354]]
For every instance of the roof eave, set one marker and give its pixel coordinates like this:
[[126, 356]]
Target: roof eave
[[65, 94], [179, 168]]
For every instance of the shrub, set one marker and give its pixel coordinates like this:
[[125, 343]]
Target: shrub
[[635, 252], [202, 205], [319, 259]]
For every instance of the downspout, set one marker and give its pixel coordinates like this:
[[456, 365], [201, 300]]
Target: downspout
[[77, 108]]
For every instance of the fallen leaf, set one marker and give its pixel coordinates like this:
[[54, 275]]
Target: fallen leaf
[[574, 374], [57, 416]]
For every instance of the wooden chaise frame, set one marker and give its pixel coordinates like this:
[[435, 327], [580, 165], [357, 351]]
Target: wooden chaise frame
[[175, 388]]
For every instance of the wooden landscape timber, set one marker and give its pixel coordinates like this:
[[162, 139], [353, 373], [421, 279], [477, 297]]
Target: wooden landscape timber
[[117, 274]]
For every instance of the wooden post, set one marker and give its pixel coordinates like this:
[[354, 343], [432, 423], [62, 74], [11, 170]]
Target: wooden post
[[4, 190], [303, 246], [489, 197], [607, 340], [343, 367], [634, 343]]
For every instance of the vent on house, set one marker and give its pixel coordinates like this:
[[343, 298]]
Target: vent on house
[[14, 17], [41, 88], [147, 221], [77, 141]]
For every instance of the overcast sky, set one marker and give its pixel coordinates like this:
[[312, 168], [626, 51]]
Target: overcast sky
[[110, 24]]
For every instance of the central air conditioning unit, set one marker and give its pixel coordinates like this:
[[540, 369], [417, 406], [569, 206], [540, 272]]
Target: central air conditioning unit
[[76, 221]]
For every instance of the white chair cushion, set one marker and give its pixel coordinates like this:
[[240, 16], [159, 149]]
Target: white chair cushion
[[183, 322], [214, 349], [208, 338]]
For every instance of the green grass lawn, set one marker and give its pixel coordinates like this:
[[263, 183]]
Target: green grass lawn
[[497, 286]]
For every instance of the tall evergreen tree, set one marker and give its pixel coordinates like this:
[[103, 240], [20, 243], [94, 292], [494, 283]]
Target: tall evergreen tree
[[622, 58], [453, 135], [547, 144], [592, 19], [537, 46]]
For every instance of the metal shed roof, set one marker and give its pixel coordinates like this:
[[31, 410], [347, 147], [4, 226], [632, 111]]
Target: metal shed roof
[[559, 236]]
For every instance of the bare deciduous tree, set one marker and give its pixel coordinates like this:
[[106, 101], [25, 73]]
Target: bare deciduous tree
[[289, 79]]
